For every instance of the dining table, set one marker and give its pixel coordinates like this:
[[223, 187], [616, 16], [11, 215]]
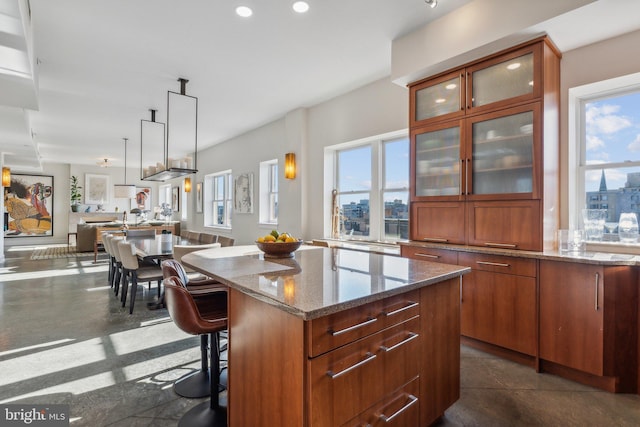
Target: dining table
[[161, 246]]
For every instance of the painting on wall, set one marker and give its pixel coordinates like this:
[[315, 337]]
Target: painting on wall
[[199, 197], [28, 206], [243, 193], [96, 189], [175, 199], [143, 199]]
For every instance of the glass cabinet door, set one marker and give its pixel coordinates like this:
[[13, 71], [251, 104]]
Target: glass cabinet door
[[503, 153], [510, 77], [437, 162], [441, 98]]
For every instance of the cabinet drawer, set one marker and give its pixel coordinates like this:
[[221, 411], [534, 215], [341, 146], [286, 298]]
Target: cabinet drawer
[[505, 224], [499, 264], [348, 380], [430, 254], [333, 331], [401, 408]]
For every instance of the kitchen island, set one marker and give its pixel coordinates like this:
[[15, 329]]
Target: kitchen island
[[335, 337]]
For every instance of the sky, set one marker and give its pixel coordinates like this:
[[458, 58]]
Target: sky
[[612, 129]]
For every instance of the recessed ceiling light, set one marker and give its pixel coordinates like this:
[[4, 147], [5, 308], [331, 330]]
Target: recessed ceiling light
[[300, 6], [451, 86], [244, 11], [513, 66], [440, 100], [431, 3]]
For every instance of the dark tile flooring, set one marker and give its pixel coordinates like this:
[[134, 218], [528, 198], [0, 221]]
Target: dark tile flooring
[[64, 338]]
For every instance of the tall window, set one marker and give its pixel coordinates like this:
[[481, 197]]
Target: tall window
[[607, 173], [218, 199], [372, 181], [269, 192]]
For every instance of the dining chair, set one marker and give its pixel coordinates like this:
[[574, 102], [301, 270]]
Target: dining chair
[[225, 241], [134, 272], [193, 235], [117, 272], [208, 238], [181, 250], [197, 317], [141, 232], [196, 384]]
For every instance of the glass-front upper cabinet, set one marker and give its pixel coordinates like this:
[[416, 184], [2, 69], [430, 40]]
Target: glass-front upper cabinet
[[503, 153], [437, 159], [509, 78], [441, 98]]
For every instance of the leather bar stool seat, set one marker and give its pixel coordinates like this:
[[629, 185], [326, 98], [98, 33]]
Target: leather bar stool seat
[[188, 313], [196, 384]]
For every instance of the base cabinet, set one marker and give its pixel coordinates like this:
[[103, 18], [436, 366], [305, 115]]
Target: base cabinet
[[588, 321], [499, 301]]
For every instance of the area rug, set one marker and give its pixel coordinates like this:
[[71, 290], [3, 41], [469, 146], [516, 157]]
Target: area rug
[[58, 251]]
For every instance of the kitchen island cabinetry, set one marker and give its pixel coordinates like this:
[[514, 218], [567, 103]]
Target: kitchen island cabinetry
[[309, 345], [588, 323]]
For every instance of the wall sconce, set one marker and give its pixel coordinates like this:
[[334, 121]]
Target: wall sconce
[[6, 177], [187, 185], [290, 166]]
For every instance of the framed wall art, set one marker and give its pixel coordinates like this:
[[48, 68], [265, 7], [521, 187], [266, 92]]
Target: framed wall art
[[199, 197], [143, 199], [175, 199], [28, 206], [96, 189], [243, 193]]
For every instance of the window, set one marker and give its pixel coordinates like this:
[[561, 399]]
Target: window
[[606, 173], [217, 200], [269, 192], [372, 183]]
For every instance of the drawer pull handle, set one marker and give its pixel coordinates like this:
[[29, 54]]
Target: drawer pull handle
[[494, 264], [412, 400], [427, 255], [400, 310], [369, 358], [501, 245], [435, 239], [410, 337], [351, 328]]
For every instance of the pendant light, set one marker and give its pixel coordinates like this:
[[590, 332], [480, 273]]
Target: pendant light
[[124, 191]]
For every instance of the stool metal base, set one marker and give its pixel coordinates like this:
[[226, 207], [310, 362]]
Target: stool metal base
[[203, 415], [193, 385]]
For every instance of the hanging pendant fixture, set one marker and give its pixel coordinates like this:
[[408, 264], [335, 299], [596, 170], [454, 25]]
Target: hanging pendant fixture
[[124, 191], [181, 146]]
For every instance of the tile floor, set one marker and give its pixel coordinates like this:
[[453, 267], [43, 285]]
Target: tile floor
[[64, 338]]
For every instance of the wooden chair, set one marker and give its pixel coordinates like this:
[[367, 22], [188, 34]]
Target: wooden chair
[[208, 238], [225, 241], [135, 272], [199, 317]]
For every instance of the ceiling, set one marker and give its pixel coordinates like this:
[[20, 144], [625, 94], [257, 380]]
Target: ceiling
[[102, 64]]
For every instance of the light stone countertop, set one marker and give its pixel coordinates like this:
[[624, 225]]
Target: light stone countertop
[[318, 281], [586, 257]]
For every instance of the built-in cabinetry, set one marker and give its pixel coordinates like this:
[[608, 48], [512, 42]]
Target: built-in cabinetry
[[588, 322], [484, 142]]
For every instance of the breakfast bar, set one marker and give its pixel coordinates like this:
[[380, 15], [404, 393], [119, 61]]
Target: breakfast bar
[[337, 337]]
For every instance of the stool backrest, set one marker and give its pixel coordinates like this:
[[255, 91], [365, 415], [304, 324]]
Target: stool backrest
[[172, 268], [127, 256], [184, 311]]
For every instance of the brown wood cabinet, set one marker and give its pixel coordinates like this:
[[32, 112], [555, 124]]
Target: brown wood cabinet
[[487, 132], [588, 323], [499, 301], [514, 224]]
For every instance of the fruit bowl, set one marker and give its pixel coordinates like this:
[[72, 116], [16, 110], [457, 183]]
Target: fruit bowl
[[278, 249]]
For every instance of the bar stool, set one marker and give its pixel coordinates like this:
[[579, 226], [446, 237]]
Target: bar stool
[[196, 384], [189, 315]]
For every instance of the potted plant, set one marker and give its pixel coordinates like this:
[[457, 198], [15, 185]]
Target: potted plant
[[75, 194]]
